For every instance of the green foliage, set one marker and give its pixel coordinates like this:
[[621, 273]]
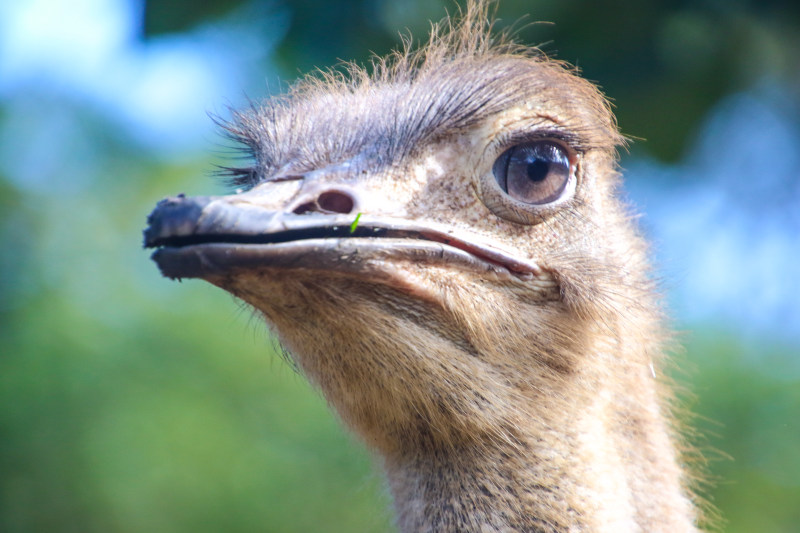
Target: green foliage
[[354, 225], [748, 400]]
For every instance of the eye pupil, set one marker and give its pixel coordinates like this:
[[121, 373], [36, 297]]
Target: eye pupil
[[535, 173], [538, 169]]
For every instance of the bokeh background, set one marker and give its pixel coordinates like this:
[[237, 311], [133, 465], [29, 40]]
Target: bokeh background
[[129, 403]]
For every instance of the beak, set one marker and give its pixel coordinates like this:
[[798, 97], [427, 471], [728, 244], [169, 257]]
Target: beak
[[210, 236]]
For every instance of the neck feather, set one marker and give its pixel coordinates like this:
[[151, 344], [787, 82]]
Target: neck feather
[[603, 460]]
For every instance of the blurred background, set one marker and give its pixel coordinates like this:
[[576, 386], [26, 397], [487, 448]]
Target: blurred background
[[130, 403]]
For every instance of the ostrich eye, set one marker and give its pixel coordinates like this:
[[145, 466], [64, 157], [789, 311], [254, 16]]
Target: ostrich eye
[[534, 173]]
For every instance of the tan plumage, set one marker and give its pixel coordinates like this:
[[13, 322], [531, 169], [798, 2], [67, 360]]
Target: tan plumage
[[493, 340]]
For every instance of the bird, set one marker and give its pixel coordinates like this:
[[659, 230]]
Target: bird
[[440, 241]]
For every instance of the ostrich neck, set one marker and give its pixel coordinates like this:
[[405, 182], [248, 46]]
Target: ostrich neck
[[497, 432], [604, 462]]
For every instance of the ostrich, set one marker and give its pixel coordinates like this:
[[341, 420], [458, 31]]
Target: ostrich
[[440, 245]]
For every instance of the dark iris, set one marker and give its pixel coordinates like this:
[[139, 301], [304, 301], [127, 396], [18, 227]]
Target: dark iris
[[535, 172]]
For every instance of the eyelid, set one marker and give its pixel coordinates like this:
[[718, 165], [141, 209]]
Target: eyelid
[[572, 143]]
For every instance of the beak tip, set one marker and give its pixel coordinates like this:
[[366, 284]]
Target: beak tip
[[173, 216]]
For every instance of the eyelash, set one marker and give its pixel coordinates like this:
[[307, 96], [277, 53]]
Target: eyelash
[[569, 141]]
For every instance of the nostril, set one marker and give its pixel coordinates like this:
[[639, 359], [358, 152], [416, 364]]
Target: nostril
[[336, 202]]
